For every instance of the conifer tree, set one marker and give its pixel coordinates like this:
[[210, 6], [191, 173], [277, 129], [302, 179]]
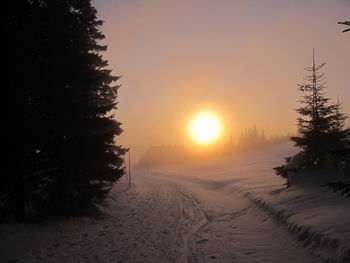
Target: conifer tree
[[343, 153], [321, 123], [23, 119], [63, 154], [82, 104]]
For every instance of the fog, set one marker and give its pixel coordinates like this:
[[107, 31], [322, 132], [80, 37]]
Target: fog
[[242, 59]]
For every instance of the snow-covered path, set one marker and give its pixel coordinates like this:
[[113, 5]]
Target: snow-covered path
[[222, 225], [189, 213], [162, 218]]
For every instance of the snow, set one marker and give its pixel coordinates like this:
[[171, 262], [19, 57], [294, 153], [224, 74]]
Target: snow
[[317, 217], [232, 209]]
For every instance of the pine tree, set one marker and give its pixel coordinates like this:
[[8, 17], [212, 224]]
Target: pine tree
[[23, 118], [82, 106], [321, 123], [62, 155], [343, 153]]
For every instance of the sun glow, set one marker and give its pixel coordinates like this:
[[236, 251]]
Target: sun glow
[[205, 127]]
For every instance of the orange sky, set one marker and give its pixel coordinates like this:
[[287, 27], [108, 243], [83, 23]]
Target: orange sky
[[242, 59]]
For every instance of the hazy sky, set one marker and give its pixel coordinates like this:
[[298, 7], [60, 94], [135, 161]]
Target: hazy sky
[[242, 59]]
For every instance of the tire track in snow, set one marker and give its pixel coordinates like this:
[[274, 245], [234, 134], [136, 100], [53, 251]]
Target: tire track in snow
[[200, 222], [235, 230], [192, 216]]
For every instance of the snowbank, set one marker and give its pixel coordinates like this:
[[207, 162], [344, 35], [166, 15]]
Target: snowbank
[[318, 218]]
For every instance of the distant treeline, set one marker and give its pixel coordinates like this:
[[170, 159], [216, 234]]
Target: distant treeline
[[253, 138], [250, 139], [164, 154]]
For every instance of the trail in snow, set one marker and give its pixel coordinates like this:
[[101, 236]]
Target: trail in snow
[[161, 219], [171, 214], [235, 230], [151, 222]]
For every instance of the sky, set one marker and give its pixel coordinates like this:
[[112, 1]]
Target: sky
[[242, 59]]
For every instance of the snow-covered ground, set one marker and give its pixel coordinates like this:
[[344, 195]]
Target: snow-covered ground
[[314, 215], [233, 209]]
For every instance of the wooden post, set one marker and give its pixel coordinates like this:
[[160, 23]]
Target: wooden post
[[125, 170], [129, 171]]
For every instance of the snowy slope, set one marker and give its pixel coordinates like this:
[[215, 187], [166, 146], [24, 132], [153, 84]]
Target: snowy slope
[[319, 218]]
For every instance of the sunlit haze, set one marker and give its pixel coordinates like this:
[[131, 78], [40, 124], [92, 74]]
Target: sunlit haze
[[244, 59]]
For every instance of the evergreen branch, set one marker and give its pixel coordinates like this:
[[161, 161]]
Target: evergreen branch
[[347, 23]]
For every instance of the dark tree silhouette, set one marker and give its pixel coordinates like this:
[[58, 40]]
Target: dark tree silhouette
[[323, 138], [321, 123], [343, 187], [23, 116], [62, 155], [82, 100], [347, 23]]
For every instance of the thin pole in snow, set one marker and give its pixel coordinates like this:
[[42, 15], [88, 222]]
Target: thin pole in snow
[[129, 171], [125, 171]]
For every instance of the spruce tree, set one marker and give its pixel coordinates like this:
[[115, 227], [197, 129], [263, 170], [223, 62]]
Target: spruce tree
[[82, 103], [23, 120], [59, 109], [321, 123], [343, 154]]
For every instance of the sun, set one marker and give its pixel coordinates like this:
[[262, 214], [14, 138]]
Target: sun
[[205, 127]]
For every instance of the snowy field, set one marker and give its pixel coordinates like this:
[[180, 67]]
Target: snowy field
[[233, 209]]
